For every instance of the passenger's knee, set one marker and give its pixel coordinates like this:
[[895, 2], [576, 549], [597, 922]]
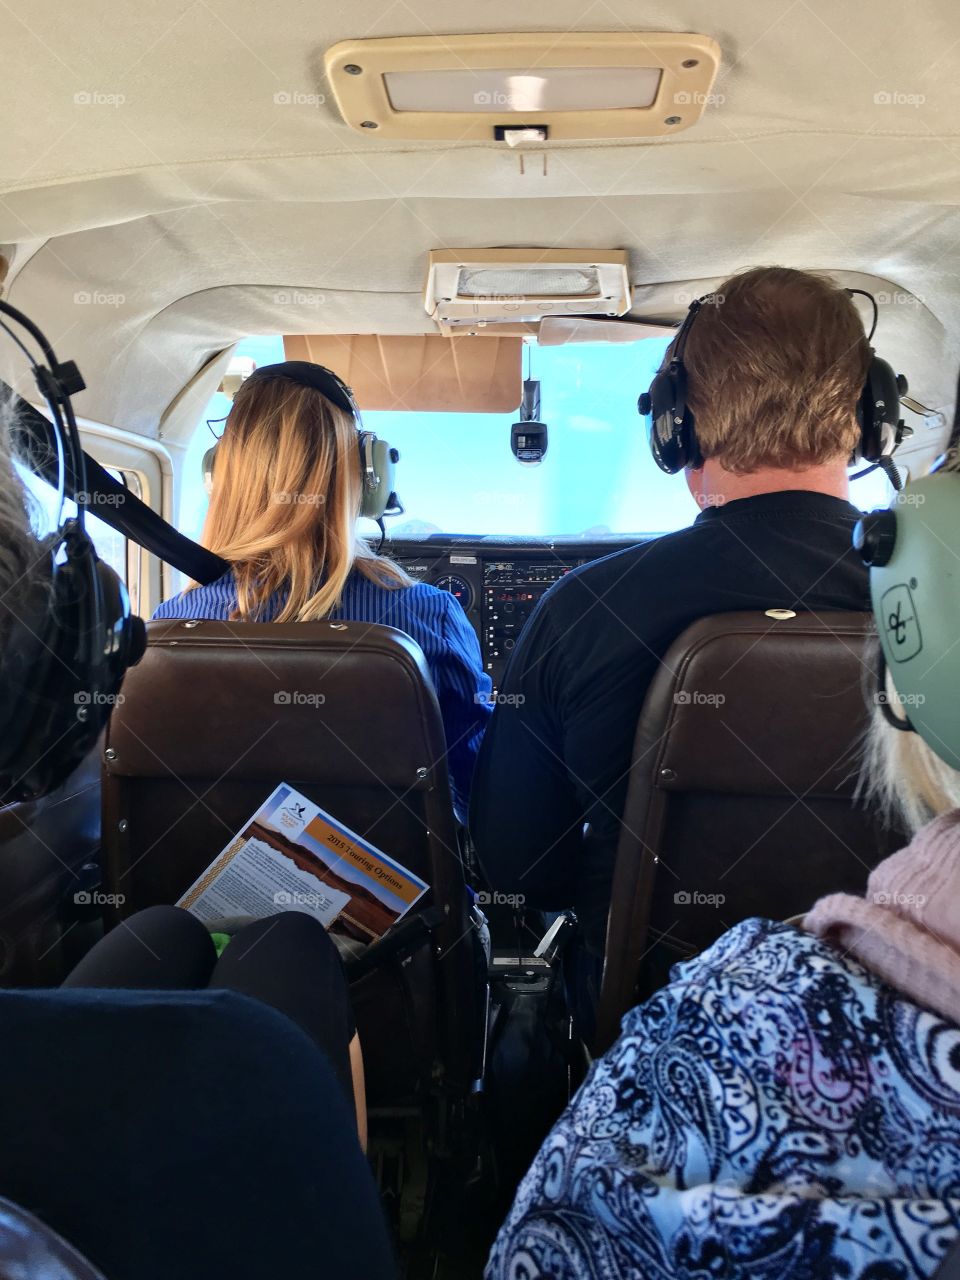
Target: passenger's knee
[[295, 930]]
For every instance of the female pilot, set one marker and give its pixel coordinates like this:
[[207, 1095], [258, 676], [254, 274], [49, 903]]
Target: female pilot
[[789, 1105], [283, 512]]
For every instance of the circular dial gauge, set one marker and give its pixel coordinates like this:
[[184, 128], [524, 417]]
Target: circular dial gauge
[[458, 587]]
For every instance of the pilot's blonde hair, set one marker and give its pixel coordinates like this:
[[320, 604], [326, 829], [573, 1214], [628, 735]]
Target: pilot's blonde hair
[[775, 363], [285, 502]]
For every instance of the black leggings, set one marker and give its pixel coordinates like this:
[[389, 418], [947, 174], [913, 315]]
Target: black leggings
[[287, 961]]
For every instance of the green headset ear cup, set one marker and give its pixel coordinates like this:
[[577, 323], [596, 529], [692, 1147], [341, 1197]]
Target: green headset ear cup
[[916, 602], [377, 475]]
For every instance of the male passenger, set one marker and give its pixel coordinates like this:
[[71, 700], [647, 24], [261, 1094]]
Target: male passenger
[[775, 366]]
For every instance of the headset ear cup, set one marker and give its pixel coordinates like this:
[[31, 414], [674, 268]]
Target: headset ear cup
[[367, 472], [377, 475], [124, 634], [56, 704], [878, 411], [688, 451], [89, 640], [672, 443], [868, 445]]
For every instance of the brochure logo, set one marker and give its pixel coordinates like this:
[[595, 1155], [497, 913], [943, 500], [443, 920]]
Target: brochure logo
[[293, 816]]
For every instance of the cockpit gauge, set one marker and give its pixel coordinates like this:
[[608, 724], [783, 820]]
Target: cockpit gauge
[[458, 587]]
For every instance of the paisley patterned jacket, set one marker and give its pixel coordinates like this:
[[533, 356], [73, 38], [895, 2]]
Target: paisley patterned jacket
[[776, 1112]]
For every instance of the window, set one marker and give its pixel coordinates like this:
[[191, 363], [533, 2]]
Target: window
[[457, 472], [458, 475], [112, 547], [192, 502]]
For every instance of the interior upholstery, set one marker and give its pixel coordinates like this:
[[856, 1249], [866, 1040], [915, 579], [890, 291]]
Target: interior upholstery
[[211, 722], [745, 767], [203, 210]]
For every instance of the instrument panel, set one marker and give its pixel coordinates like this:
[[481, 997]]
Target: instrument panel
[[499, 582]]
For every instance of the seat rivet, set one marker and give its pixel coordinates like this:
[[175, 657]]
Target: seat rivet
[[422, 773], [668, 775], [780, 615], [110, 754], [193, 622], [122, 824]]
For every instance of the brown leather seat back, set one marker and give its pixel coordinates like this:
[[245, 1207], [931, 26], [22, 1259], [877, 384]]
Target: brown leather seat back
[[217, 714], [741, 796]]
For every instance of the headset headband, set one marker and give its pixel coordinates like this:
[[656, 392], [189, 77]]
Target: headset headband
[[314, 376], [680, 341]]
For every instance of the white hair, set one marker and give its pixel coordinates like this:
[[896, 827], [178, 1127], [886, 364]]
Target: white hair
[[903, 776], [21, 563]]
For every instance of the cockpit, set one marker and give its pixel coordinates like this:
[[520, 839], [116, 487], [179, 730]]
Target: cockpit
[[479, 749]]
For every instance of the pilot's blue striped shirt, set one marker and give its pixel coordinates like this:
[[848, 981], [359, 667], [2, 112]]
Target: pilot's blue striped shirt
[[434, 618]]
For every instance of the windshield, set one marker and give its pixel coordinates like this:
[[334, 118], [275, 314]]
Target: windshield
[[457, 473]]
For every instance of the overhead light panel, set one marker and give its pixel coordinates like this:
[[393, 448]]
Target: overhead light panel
[[555, 89], [524, 87], [468, 289]]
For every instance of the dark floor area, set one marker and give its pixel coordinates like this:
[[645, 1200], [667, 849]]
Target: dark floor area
[[534, 1065]]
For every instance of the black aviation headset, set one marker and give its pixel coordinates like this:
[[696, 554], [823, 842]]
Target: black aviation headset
[[673, 437], [377, 458], [68, 633]]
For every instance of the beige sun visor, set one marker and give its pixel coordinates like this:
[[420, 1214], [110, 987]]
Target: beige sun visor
[[422, 373]]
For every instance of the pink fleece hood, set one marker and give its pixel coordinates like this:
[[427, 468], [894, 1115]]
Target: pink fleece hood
[[907, 927]]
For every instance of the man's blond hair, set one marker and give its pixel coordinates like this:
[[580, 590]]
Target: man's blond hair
[[776, 362]]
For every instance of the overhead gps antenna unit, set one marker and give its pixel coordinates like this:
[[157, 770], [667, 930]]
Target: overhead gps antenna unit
[[528, 437]]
